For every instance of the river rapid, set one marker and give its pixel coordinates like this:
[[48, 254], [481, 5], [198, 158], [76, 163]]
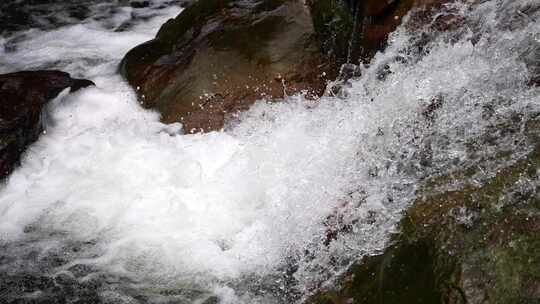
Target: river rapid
[[113, 206]]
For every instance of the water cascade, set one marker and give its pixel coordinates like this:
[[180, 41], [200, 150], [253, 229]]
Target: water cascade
[[112, 205]]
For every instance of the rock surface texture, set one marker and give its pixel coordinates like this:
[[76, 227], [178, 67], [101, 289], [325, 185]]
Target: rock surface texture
[[219, 56], [23, 97]]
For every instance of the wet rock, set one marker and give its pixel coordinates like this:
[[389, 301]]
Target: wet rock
[[12, 18], [217, 57], [352, 31], [403, 274], [16, 15], [185, 3], [24, 96], [461, 242], [334, 21], [349, 71]]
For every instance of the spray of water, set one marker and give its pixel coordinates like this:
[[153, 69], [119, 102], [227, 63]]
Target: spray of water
[[284, 199]]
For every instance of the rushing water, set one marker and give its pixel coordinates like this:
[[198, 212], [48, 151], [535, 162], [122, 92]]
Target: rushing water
[[111, 205]]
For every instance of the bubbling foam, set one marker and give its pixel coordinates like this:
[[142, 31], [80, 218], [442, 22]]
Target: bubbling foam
[[287, 197]]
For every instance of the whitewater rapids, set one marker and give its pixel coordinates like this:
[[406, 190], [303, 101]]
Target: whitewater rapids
[[111, 194]]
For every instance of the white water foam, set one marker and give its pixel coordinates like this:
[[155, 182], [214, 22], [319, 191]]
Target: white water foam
[[91, 48], [210, 210]]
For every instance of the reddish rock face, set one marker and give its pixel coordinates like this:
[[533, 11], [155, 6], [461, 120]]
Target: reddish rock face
[[382, 17], [23, 97]]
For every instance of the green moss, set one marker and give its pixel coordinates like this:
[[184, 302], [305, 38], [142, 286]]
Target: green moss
[[240, 34], [511, 253], [403, 274], [514, 264]]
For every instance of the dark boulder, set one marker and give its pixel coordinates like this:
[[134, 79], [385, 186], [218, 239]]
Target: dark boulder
[[23, 96]]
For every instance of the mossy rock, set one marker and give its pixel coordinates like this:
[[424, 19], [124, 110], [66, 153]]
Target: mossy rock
[[467, 244], [219, 56], [405, 273]]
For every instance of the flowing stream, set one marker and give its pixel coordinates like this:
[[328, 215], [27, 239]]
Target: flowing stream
[[112, 206]]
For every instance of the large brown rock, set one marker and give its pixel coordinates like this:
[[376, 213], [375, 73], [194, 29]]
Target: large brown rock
[[23, 96], [219, 56]]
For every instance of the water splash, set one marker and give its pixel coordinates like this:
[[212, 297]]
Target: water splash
[[289, 195]]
